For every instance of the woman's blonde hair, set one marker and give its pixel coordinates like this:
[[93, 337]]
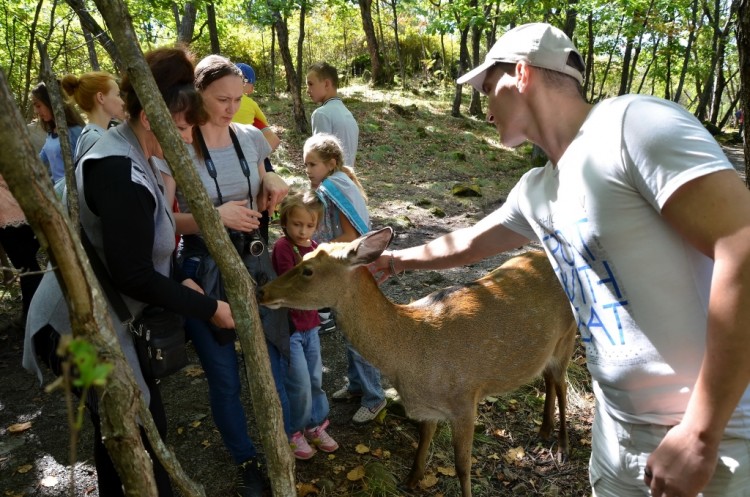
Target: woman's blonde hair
[[83, 88], [329, 147], [304, 199]]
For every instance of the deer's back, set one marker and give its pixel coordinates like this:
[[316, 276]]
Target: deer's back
[[489, 336]]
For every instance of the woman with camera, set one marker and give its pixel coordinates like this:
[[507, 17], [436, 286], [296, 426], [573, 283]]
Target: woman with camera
[[125, 216], [229, 159]]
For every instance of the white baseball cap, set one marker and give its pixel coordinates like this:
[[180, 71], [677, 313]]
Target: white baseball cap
[[538, 44]]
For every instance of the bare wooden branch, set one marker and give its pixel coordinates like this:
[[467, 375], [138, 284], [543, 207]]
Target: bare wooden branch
[[61, 126], [30, 185]]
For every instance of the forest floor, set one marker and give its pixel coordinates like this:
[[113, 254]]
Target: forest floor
[[411, 155]]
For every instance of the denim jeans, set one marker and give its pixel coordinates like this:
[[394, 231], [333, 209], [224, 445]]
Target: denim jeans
[[364, 378], [304, 381], [222, 370]]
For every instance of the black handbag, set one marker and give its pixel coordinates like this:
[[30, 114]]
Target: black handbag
[[158, 334]]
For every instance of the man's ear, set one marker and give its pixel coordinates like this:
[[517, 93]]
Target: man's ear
[[523, 76]]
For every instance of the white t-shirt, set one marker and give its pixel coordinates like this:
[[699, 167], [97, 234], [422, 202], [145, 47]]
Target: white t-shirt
[[639, 291], [232, 181], [334, 118]]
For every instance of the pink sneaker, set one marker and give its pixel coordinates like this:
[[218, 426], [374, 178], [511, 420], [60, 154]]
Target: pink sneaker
[[301, 448], [320, 439]]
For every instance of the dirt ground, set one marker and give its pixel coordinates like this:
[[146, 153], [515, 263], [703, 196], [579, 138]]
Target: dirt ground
[[409, 189]]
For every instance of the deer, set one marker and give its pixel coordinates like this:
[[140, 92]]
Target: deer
[[447, 351]]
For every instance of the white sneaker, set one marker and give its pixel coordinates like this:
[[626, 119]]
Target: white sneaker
[[366, 414]]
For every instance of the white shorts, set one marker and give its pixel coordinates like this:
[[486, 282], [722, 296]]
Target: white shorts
[[619, 452]]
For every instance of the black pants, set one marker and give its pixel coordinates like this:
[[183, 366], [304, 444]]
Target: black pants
[[22, 246], [45, 342]]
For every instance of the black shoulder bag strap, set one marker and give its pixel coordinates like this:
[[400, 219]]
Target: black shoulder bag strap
[[105, 280]]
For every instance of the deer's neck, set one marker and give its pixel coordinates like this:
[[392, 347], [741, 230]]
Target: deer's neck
[[369, 320]]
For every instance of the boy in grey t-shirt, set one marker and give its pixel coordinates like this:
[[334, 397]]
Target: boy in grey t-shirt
[[332, 116]]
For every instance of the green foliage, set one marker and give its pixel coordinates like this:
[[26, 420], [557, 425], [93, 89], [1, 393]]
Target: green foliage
[[91, 371]]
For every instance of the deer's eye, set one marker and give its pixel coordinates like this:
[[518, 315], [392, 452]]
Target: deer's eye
[[307, 272]]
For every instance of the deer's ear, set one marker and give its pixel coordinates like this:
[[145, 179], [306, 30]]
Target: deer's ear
[[368, 247]]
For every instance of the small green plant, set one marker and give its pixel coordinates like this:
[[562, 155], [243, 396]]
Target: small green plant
[[82, 370]]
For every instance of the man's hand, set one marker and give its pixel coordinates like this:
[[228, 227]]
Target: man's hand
[[682, 464], [380, 267]]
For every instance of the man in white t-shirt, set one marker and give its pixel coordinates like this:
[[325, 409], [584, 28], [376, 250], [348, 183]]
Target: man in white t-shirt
[[648, 228]]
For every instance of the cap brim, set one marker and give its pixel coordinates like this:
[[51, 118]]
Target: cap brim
[[475, 77]]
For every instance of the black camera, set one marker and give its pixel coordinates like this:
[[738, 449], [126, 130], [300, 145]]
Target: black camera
[[247, 243]]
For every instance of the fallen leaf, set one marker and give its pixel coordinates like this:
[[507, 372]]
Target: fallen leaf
[[25, 468], [446, 471], [305, 489], [19, 427], [429, 480], [514, 455], [195, 424], [49, 481], [193, 371], [356, 474], [378, 452], [180, 430], [362, 449], [206, 444]]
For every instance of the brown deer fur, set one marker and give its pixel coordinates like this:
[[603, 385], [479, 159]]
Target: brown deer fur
[[450, 349]]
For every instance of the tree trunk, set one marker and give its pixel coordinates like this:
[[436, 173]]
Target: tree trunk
[[686, 60], [626, 66], [743, 46], [709, 83], [463, 63], [97, 32], [238, 284], [300, 45], [379, 76], [273, 59], [589, 79], [93, 58], [475, 103], [401, 68], [570, 18], [186, 24], [213, 30], [298, 110], [30, 54], [29, 184]]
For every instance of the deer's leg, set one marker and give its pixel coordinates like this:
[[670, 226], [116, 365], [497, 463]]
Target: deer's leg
[[550, 393], [463, 437], [561, 387], [426, 432]]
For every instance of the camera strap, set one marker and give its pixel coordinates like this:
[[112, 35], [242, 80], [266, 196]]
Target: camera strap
[[211, 167]]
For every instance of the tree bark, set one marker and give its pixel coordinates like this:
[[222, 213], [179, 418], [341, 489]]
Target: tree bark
[[475, 103], [91, 47], [238, 284], [300, 45], [298, 110], [401, 68], [30, 54], [463, 63], [379, 73], [185, 25], [30, 185], [743, 46], [686, 60], [97, 32], [213, 30]]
